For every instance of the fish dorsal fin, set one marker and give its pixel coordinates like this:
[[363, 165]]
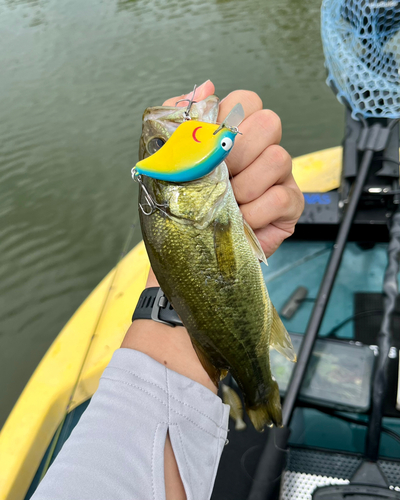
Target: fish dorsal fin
[[280, 340], [254, 243]]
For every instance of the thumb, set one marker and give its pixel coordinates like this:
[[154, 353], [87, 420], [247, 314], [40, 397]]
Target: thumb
[[206, 89]]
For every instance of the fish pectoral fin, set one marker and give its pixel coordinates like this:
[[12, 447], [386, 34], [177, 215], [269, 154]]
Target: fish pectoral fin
[[240, 424], [280, 340], [254, 243], [232, 398], [224, 250]]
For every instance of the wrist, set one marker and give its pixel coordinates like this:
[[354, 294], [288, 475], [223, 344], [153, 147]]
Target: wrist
[[169, 346], [151, 279]]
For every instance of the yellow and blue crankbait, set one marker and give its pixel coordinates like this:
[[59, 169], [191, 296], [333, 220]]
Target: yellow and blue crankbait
[[194, 150]]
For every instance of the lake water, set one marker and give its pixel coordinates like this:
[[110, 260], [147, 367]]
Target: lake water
[[75, 78]]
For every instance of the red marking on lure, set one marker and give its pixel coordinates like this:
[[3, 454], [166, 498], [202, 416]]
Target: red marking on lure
[[194, 134]]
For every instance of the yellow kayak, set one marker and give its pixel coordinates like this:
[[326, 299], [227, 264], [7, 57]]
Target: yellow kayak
[[94, 332]]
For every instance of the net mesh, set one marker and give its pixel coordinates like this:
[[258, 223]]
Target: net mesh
[[361, 42]]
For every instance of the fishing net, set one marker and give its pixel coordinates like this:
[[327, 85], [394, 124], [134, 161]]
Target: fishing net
[[361, 42]]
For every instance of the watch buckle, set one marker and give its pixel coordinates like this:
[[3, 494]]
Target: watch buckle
[[159, 302]]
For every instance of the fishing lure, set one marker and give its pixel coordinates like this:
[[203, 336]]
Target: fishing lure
[[194, 150]]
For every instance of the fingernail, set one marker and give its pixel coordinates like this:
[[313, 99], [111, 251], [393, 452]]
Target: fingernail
[[199, 90], [202, 85]]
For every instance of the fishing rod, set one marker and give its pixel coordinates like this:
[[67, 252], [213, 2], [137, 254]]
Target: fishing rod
[[390, 292], [369, 480], [356, 77], [274, 455]]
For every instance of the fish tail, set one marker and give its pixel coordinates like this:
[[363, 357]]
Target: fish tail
[[268, 413]]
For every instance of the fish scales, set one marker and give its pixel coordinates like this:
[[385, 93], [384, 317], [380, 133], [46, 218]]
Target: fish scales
[[206, 267]]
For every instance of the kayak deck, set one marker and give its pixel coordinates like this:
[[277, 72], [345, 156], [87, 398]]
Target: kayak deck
[[99, 325], [45, 399]]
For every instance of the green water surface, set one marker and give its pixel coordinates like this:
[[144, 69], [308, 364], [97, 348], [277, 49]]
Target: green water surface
[[75, 77]]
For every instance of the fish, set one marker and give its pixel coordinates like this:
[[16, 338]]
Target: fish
[[231, 398], [206, 257]]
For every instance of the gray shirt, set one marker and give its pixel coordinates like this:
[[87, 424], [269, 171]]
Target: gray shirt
[[116, 451]]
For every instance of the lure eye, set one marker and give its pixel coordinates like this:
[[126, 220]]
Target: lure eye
[[154, 145], [226, 143]]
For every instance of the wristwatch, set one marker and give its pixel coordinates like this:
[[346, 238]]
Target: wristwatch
[[153, 304]]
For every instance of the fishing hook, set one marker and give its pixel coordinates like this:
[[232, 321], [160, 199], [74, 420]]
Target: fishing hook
[[189, 106], [153, 205], [234, 130]]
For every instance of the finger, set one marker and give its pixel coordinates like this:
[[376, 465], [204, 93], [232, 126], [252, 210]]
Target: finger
[[260, 130], [273, 166], [281, 204], [204, 90], [250, 101], [271, 237]]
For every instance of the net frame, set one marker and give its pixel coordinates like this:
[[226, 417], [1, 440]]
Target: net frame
[[361, 43]]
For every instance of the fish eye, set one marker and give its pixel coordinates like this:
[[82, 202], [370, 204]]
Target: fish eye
[[226, 143], [154, 145]]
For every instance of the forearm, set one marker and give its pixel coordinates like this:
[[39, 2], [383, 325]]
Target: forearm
[[117, 449], [154, 419], [173, 348], [169, 346]]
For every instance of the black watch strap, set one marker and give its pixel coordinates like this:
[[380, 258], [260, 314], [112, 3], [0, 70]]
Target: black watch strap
[[153, 304]]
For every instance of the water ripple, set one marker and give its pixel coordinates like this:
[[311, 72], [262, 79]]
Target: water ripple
[[75, 79]]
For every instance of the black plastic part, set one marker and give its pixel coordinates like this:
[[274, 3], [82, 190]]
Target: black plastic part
[[153, 304], [367, 323], [368, 483], [274, 458], [356, 139], [369, 473], [373, 233], [329, 277], [324, 293], [355, 492], [379, 389], [325, 210], [271, 465], [374, 134], [294, 302]]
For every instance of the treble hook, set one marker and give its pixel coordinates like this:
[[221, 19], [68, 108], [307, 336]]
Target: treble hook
[[153, 205], [190, 101]]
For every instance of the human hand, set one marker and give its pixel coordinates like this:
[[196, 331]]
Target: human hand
[[261, 169]]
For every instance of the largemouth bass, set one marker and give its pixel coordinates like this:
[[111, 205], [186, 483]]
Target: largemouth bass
[[204, 256]]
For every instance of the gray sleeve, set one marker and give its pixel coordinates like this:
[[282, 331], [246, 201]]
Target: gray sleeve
[[116, 452]]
